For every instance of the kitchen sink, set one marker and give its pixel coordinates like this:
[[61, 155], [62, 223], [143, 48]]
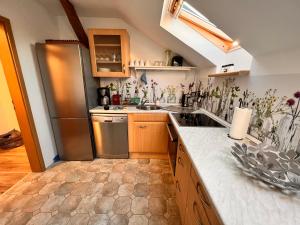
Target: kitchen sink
[[148, 107]]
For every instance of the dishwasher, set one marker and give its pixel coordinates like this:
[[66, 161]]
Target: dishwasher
[[111, 135]]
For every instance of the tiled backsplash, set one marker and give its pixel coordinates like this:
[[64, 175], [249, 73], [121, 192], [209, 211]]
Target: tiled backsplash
[[272, 117], [165, 86], [220, 96]]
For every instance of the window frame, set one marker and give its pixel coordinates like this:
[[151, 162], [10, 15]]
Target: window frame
[[206, 29]]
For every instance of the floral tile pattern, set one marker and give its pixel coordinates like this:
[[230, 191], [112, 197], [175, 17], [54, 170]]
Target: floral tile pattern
[[101, 192]]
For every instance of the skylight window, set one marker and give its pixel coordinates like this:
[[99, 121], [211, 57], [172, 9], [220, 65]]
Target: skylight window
[[196, 20], [191, 10]]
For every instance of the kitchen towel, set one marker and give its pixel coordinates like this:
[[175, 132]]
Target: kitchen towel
[[240, 123], [144, 78]]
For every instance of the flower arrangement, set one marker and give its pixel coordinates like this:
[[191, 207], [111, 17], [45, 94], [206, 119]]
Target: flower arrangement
[[191, 85], [128, 87], [295, 109], [247, 99], [153, 88], [112, 87], [171, 94], [228, 90], [162, 93], [145, 92], [182, 86], [265, 108]]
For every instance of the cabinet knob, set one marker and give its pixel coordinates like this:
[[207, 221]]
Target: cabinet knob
[[180, 147], [178, 186], [142, 127], [180, 161]]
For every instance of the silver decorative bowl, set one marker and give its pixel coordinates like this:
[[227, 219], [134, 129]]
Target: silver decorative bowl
[[266, 163]]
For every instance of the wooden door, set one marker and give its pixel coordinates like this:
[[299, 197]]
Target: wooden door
[[149, 137], [16, 85], [109, 49]]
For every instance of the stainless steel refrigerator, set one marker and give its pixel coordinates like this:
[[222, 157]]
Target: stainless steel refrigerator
[[70, 91]]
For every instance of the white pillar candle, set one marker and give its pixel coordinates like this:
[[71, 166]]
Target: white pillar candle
[[240, 123]]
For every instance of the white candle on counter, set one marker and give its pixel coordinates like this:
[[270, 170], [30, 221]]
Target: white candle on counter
[[240, 123]]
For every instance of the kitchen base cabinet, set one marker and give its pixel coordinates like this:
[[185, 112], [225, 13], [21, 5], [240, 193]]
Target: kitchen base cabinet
[[193, 201], [148, 135], [195, 212], [181, 179], [202, 195]]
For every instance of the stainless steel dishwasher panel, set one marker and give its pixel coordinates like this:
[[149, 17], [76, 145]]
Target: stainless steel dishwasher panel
[[111, 135]]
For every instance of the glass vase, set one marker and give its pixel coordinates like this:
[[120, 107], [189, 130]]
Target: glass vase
[[171, 98]]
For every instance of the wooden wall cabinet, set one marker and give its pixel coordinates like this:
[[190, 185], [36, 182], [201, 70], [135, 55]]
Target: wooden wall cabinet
[[110, 52], [148, 135], [194, 204]]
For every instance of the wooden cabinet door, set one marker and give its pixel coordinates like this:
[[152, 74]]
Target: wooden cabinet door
[[195, 212], [148, 137], [183, 165], [109, 49], [202, 194]]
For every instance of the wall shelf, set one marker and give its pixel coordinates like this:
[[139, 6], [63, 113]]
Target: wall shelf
[[231, 74], [107, 45], [109, 62], [163, 68]]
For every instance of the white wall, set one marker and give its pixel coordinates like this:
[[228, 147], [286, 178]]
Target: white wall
[[277, 70], [8, 119], [141, 47], [283, 62], [31, 23]]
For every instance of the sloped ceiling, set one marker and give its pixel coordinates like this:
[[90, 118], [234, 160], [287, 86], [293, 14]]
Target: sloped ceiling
[[144, 15], [261, 26]]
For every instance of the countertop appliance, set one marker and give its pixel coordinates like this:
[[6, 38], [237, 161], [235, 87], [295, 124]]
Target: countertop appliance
[[103, 96], [195, 120], [70, 91], [172, 146], [111, 135]]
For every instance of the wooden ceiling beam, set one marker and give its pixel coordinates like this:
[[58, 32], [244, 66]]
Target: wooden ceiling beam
[[75, 22]]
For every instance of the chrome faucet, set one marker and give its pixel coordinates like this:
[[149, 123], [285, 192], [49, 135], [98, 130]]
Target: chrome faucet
[[143, 102]]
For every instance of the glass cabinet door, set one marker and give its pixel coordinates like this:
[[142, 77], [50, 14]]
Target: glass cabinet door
[[108, 53]]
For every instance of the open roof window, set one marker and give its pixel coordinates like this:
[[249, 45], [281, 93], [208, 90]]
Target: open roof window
[[196, 20]]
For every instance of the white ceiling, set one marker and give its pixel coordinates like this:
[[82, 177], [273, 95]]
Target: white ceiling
[[261, 26], [144, 15]]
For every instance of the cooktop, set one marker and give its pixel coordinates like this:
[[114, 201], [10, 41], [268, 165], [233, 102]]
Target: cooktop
[[195, 120]]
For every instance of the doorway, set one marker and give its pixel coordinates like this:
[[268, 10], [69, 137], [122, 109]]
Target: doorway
[[14, 163], [27, 157]]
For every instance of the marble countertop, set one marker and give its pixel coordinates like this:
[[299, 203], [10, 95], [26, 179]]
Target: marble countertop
[[125, 110], [238, 199]]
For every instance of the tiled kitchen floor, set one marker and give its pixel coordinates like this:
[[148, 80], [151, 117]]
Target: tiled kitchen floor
[[102, 192]]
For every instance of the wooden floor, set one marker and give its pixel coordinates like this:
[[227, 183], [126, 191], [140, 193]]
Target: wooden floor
[[14, 165]]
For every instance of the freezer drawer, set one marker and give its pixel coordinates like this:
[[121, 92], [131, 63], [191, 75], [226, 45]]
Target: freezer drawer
[[73, 138], [111, 135]]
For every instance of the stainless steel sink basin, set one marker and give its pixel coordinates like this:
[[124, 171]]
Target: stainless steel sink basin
[[148, 107]]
